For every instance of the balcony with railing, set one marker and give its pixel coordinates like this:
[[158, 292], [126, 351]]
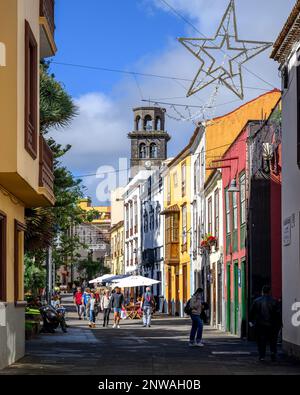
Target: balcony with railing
[[47, 28], [46, 176]]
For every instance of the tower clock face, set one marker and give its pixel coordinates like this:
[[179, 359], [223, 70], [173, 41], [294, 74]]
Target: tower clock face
[[148, 164]]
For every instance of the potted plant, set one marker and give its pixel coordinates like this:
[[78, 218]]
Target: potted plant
[[208, 242]]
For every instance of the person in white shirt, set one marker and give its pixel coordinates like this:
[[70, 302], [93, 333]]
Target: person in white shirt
[[105, 307], [92, 303]]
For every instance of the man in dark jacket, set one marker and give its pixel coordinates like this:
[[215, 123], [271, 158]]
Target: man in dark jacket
[[266, 317]]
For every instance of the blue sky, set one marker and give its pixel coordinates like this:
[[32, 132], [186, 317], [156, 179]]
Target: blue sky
[[140, 35], [115, 34]]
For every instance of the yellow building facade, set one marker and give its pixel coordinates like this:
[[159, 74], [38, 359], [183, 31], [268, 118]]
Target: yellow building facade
[[117, 244], [177, 241], [103, 216], [220, 132], [26, 162]]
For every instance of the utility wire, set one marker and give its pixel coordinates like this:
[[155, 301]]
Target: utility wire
[[123, 170], [136, 73], [197, 30], [138, 86]]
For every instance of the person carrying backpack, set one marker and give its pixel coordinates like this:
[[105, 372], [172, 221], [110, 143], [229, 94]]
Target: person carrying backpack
[[194, 308], [147, 306]]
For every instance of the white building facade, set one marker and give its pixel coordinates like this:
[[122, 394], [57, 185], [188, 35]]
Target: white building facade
[[197, 209], [132, 222], [152, 229], [214, 257], [286, 52]]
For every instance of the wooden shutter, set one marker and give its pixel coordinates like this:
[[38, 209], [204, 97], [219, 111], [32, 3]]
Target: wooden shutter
[[31, 92], [3, 274], [298, 111], [19, 230]]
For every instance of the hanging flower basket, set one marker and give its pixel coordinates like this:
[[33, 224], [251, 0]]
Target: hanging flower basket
[[207, 243]]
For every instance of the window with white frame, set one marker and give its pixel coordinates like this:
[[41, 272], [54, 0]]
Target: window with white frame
[[235, 210], [195, 177], [243, 198], [228, 224], [202, 163], [183, 179], [135, 209], [209, 212], [184, 224]]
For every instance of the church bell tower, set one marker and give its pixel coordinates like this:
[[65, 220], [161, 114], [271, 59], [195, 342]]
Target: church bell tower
[[148, 139]]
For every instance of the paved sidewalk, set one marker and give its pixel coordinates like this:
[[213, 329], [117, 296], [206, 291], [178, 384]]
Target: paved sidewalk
[[161, 349]]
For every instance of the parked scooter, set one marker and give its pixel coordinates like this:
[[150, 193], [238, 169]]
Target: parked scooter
[[52, 318]]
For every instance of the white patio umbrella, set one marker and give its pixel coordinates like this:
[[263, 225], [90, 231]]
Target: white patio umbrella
[[135, 281], [100, 279]]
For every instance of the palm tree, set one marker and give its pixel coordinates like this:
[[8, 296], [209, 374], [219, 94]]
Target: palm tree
[[57, 109]]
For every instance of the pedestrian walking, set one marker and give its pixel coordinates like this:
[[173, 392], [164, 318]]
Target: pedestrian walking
[[117, 304], [265, 317], [74, 289], [105, 307], [92, 308], [85, 298], [147, 306], [78, 302], [194, 308]]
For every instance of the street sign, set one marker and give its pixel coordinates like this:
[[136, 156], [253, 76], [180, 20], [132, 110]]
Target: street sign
[[287, 232]]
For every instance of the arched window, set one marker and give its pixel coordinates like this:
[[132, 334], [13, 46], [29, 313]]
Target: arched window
[[146, 225], [138, 123], [143, 151], [148, 125], [153, 151], [157, 215], [158, 125], [151, 218]]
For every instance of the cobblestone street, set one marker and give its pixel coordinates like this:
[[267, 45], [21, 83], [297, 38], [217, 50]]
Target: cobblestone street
[[133, 350]]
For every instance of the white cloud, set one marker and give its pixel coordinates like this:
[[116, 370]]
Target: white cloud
[[99, 134]]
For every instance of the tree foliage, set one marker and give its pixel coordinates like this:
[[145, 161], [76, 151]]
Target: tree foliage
[[34, 276], [51, 226], [57, 108], [90, 268]]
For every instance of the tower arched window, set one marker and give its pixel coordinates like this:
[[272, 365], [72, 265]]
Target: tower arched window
[[148, 125], [143, 151], [158, 123], [138, 123], [153, 151]]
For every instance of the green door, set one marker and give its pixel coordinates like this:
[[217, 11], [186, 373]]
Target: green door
[[243, 290], [228, 313], [236, 297]]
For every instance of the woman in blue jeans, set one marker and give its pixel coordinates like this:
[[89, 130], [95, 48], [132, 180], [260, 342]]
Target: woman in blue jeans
[[197, 323]]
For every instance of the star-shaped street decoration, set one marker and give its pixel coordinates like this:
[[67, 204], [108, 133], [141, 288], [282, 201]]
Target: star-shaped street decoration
[[229, 70]]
